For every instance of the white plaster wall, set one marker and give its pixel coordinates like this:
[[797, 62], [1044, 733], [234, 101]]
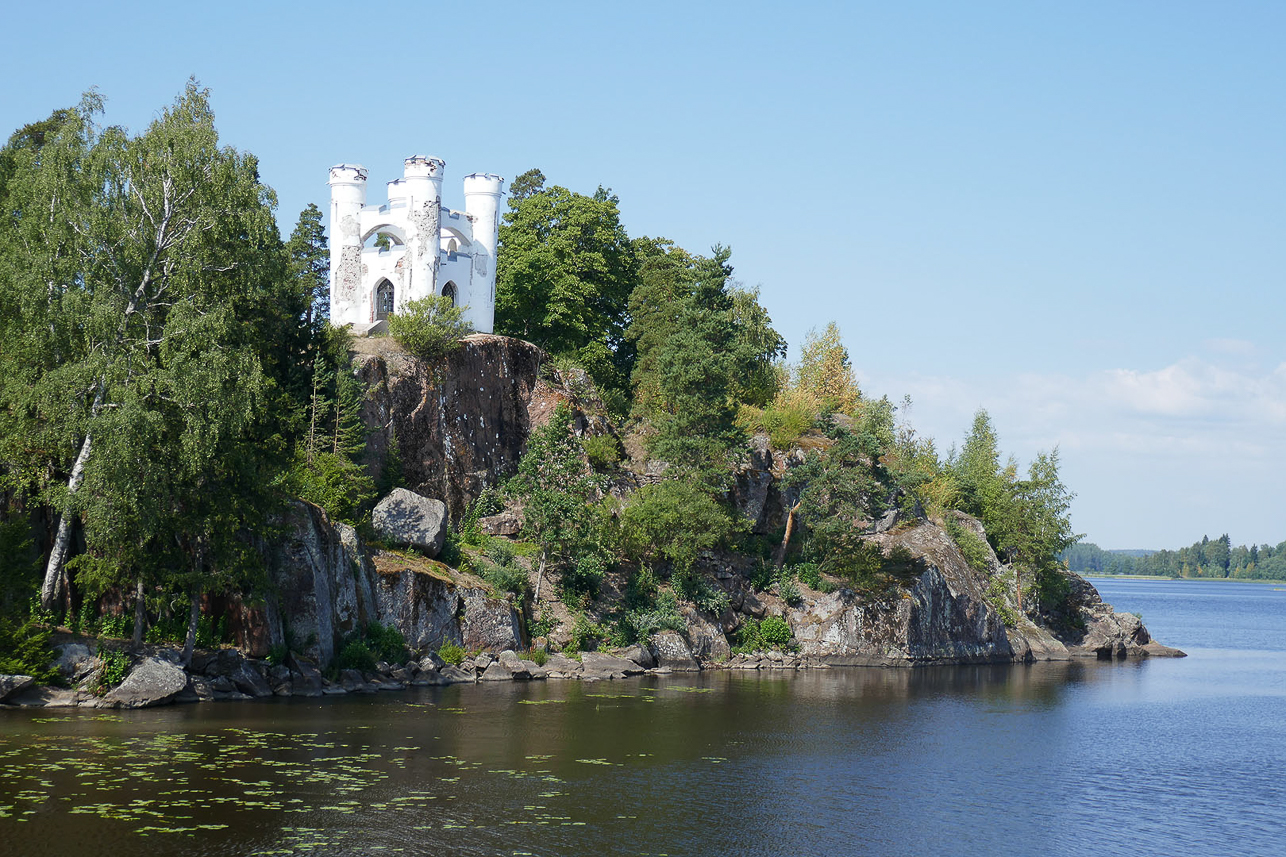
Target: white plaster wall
[[360, 270]]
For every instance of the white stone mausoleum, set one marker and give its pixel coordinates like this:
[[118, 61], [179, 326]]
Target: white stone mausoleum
[[382, 256]]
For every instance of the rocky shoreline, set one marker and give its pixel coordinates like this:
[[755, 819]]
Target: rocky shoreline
[[158, 678]]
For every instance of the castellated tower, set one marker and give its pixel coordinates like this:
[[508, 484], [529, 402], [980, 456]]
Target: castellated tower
[[382, 256]]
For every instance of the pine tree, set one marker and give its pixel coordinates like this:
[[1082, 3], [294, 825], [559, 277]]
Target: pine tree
[[310, 264]]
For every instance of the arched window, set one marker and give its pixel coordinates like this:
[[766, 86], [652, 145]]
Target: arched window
[[448, 292], [383, 300]]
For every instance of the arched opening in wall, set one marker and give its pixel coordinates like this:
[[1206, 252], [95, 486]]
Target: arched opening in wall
[[449, 292], [383, 240], [383, 300]]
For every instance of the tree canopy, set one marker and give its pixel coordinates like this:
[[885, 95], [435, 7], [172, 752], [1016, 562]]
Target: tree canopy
[[564, 274], [149, 340]]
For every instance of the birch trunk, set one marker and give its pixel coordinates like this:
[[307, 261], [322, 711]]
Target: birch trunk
[[52, 586], [540, 575], [140, 615]]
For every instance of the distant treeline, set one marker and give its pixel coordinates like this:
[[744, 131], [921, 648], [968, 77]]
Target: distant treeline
[[1209, 558]]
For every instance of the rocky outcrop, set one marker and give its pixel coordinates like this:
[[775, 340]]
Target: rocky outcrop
[[942, 617], [12, 684], [405, 519], [152, 682], [672, 652], [427, 602], [323, 586], [459, 423], [1106, 634]]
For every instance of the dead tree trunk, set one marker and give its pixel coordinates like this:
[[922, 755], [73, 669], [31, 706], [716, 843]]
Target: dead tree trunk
[[785, 539]]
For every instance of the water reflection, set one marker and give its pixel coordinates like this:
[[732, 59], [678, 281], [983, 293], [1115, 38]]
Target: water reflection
[[843, 761]]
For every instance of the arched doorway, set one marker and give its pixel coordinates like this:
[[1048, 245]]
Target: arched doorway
[[383, 300], [448, 292]]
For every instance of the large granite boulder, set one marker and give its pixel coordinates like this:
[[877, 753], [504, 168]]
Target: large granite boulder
[[248, 680], [13, 683], [488, 623], [672, 652], [405, 518], [152, 682], [600, 665], [75, 661]]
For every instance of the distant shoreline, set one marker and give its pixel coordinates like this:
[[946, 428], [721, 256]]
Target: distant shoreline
[[1180, 579]]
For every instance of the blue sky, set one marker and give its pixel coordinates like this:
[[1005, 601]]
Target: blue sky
[[1069, 214]]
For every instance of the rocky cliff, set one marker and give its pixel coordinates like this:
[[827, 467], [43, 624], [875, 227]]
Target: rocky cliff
[[461, 424]]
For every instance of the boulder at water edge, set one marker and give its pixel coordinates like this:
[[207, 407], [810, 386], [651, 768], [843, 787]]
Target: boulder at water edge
[[152, 682], [404, 518], [13, 683]]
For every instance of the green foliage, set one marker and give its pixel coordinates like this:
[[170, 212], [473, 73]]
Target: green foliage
[[451, 653], [810, 574], [338, 484], [755, 635], [19, 567], [115, 666], [278, 653], [837, 489], [561, 508], [973, 548], [161, 351], [762, 575], [698, 354], [775, 631], [114, 625], [603, 451], [673, 521], [1026, 519], [998, 588], [649, 609], [587, 635], [386, 642], [357, 655], [564, 273], [790, 593], [539, 657], [542, 626], [429, 327], [489, 502], [581, 580], [784, 421], [310, 264], [327, 469], [504, 577], [363, 649], [1207, 558], [25, 650], [694, 587]]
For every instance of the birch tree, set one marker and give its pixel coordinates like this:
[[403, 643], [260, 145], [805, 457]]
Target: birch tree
[[145, 289]]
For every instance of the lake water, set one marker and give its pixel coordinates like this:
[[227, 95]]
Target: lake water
[[1173, 757]]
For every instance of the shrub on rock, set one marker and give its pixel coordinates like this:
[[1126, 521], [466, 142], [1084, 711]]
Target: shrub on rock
[[429, 327]]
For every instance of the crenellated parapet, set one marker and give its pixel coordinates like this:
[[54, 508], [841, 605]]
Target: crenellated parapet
[[411, 246]]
